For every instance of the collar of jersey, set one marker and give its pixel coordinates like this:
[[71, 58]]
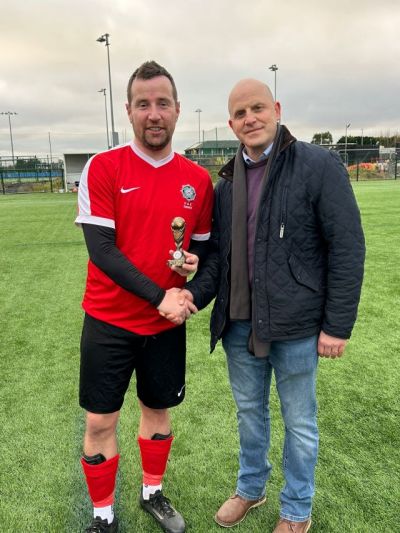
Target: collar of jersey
[[153, 162]]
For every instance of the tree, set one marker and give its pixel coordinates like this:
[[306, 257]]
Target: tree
[[383, 140], [359, 141], [26, 164], [324, 137]]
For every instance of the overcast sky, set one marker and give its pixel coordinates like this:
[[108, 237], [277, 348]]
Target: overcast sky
[[338, 63]]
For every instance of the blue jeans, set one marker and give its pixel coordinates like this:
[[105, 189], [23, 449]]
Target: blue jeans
[[295, 365]]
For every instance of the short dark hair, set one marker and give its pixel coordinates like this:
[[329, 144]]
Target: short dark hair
[[147, 71]]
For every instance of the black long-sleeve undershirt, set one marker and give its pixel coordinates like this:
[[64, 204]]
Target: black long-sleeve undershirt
[[103, 252]]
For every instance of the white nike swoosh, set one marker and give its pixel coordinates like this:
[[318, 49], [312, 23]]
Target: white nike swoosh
[[180, 392], [129, 190]]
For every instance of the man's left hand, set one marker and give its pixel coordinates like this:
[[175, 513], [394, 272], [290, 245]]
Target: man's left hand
[[329, 346], [189, 266]]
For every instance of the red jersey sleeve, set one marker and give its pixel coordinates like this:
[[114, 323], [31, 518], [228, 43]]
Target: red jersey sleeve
[[96, 193], [203, 225]]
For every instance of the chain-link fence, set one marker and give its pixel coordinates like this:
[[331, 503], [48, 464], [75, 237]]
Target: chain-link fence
[[362, 164], [30, 174], [210, 148], [371, 164]]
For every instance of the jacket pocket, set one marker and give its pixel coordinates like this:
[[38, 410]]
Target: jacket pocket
[[301, 275]]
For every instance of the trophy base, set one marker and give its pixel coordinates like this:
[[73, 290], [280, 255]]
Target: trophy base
[[176, 262]]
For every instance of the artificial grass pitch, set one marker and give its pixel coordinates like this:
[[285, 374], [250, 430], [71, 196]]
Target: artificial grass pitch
[[42, 272]]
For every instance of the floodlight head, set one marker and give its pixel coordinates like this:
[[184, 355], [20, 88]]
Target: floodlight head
[[273, 67], [103, 38]]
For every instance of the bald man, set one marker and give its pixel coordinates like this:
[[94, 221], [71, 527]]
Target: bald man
[[286, 268]]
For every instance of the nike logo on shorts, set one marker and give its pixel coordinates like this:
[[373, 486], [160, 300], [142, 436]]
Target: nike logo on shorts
[[180, 392], [124, 191]]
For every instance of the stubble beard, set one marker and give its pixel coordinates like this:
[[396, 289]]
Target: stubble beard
[[158, 145]]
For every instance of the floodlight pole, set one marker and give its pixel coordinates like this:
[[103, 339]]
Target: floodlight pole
[[198, 110], [51, 163], [9, 113], [105, 109], [274, 68], [345, 145], [104, 39]]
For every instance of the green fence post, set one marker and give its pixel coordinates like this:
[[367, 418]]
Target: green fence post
[[2, 181]]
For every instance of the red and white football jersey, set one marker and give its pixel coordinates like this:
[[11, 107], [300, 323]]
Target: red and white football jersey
[[137, 196]]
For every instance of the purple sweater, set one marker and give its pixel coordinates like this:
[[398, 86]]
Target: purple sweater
[[254, 174]]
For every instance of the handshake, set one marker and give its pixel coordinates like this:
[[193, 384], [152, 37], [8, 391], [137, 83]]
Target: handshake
[[177, 304]]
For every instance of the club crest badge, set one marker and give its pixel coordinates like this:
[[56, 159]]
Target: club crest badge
[[189, 194]]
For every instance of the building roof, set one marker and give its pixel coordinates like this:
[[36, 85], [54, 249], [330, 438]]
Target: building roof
[[215, 144]]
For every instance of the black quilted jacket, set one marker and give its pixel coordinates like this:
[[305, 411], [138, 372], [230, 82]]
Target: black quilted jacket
[[309, 248]]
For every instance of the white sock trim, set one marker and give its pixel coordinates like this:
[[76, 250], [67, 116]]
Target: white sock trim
[[150, 489], [105, 513]]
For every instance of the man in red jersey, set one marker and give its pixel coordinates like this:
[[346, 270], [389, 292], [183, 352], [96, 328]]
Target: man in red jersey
[[128, 197]]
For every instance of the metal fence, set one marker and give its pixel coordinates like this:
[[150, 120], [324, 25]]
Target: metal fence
[[30, 174], [362, 164], [371, 164]]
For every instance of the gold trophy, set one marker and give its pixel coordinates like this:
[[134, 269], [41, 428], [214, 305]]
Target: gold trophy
[[178, 230]]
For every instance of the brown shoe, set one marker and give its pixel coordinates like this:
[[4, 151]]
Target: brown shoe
[[287, 526], [235, 509]]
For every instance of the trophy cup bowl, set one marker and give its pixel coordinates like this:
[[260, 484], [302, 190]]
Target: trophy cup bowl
[[178, 230]]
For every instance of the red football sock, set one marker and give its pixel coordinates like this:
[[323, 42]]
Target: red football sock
[[100, 480], [154, 459]]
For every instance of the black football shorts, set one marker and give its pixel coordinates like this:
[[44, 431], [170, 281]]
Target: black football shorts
[[110, 355]]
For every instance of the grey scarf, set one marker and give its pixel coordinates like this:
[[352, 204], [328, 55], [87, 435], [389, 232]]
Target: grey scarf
[[241, 294]]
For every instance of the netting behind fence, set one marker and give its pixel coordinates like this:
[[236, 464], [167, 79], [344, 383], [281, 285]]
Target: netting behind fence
[[30, 175]]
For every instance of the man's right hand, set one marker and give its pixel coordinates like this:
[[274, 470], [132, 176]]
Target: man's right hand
[[176, 306]]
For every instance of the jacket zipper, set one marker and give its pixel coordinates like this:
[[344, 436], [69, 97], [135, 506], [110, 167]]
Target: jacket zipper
[[283, 213]]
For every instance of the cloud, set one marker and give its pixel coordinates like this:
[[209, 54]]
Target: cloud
[[337, 63]]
